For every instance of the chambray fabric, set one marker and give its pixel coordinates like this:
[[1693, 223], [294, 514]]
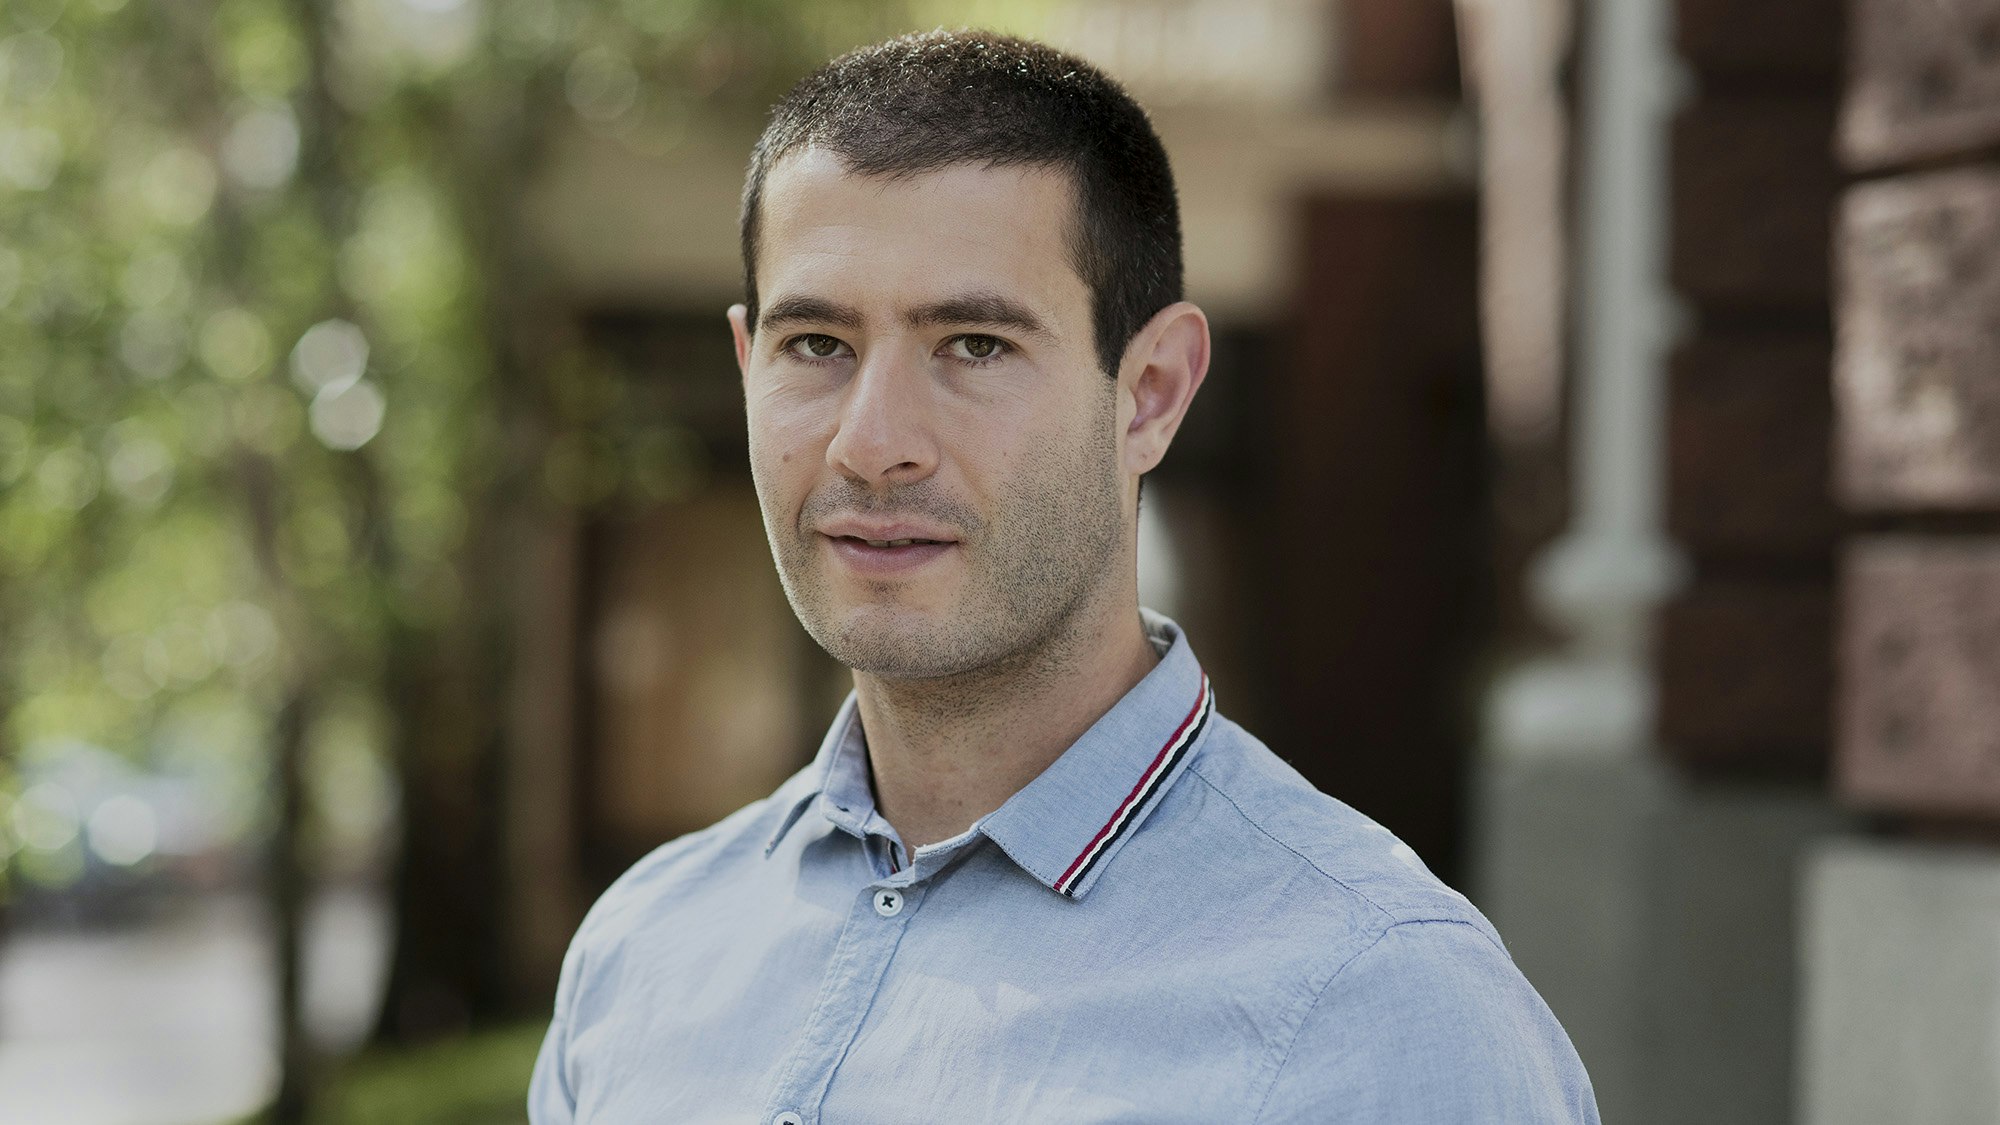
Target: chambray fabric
[[1244, 948]]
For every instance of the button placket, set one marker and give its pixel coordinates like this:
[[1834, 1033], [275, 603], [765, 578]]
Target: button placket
[[861, 957]]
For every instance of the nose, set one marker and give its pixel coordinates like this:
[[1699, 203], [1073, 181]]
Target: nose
[[885, 433]]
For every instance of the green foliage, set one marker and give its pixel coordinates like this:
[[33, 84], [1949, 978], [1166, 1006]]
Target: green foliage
[[481, 1079], [259, 302], [477, 1079]]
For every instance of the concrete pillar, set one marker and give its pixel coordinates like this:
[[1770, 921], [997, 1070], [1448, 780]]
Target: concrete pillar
[[1901, 975]]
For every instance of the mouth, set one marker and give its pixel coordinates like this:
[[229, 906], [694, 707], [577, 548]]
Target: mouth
[[884, 559], [880, 543]]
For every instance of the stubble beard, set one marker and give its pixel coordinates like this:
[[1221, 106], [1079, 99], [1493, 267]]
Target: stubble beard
[[1029, 574]]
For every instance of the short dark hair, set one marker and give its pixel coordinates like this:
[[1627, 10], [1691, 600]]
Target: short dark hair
[[918, 103]]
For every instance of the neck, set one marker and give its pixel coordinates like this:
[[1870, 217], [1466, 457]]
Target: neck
[[947, 751]]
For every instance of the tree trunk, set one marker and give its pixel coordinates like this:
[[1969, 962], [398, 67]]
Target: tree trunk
[[286, 889], [443, 975]]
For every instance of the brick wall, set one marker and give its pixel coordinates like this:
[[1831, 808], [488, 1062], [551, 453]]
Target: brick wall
[[1746, 670], [1917, 410]]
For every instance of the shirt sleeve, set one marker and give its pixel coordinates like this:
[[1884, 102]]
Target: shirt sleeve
[[550, 1099], [1432, 1024]]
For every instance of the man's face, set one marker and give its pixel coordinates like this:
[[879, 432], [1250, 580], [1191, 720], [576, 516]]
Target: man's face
[[935, 449]]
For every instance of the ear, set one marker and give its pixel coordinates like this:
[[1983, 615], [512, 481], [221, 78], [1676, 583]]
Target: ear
[[739, 327], [1164, 366]]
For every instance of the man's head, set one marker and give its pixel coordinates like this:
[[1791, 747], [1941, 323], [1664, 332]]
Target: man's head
[[951, 240], [924, 102]]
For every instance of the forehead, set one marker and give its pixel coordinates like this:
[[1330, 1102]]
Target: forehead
[[883, 241]]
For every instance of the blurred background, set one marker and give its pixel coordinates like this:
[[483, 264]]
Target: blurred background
[[1598, 483]]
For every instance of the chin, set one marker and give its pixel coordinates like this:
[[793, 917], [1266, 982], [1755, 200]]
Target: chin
[[901, 643]]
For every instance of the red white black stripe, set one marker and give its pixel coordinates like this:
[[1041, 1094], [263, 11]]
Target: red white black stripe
[[1149, 782]]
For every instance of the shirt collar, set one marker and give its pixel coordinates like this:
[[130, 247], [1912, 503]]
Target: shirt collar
[[837, 779], [1065, 826]]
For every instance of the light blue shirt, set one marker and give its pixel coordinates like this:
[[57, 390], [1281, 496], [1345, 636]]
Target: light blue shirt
[[1168, 925]]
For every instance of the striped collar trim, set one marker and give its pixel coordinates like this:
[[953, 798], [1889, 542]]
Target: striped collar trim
[[1066, 826], [1143, 791]]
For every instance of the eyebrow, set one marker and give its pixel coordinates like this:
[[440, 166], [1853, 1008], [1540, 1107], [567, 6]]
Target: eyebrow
[[810, 310], [985, 309], [979, 308]]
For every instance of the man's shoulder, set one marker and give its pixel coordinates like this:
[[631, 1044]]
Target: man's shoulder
[[1360, 867], [663, 877]]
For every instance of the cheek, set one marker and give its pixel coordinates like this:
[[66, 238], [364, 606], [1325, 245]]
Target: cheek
[[784, 437], [774, 468], [1041, 457]]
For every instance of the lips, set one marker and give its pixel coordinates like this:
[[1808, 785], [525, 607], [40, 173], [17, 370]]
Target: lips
[[882, 549], [885, 533], [896, 542]]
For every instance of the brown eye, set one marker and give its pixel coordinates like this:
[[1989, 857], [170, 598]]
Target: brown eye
[[977, 348], [820, 346]]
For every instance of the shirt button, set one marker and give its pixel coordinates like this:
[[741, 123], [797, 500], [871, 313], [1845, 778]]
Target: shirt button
[[888, 903], [788, 1118]]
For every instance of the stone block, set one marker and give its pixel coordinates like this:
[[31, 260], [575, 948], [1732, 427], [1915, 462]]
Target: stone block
[[1919, 722], [1565, 861], [1719, 981], [1748, 447], [1900, 969], [1746, 677], [1917, 354], [1924, 80], [1658, 919], [1754, 184]]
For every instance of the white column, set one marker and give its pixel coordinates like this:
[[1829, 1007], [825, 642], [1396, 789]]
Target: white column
[[1602, 580]]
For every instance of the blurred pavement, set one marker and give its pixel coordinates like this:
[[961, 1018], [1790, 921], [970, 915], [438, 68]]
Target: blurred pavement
[[173, 1022]]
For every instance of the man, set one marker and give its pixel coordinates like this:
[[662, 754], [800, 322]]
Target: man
[[1032, 875]]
